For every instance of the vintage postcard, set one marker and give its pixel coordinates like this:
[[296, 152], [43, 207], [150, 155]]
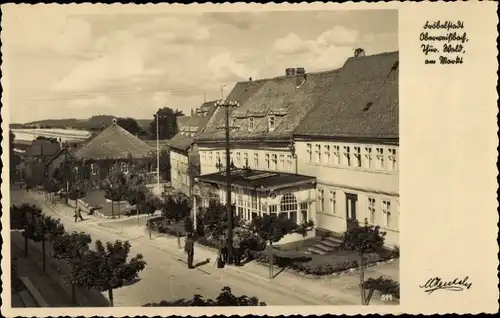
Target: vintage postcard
[[256, 159]]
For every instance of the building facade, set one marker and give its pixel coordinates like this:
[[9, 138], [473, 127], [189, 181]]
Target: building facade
[[350, 143], [114, 149], [184, 156], [261, 142]]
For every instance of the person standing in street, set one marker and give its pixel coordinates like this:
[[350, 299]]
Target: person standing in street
[[189, 249], [223, 248], [237, 250]]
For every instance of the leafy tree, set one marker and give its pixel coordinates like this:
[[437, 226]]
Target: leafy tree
[[215, 219], [167, 123], [71, 248], [363, 239], [385, 286], [21, 219], [116, 189], [225, 298], [106, 268], [40, 228], [271, 228], [131, 125], [176, 208], [50, 188]]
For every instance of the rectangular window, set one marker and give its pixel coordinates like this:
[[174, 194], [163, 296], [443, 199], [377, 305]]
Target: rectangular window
[[238, 159], [309, 153], [271, 123], [304, 212], [371, 210], [93, 168], [336, 155], [368, 158], [289, 163], [386, 210], [282, 162], [321, 200], [347, 156], [357, 156], [204, 157], [245, 159], [273, 209], [392, 159], [217, 157], [124, 167], [380, 158], [256, 160], [318, 154], [210, 158], [250, 123], [112, 168], [327, 157], [333, 202], [268, 162], [274, 161]]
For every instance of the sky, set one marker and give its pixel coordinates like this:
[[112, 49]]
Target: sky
[[74, 62]]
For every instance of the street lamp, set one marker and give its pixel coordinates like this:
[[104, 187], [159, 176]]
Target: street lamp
[[229, 164]]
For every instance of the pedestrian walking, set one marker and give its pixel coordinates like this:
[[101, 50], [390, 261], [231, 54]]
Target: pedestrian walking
[[189, 249], [78, 214]]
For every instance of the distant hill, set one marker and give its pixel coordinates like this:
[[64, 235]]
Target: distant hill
[[92, 123]]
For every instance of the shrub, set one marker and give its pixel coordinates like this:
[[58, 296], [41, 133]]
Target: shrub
[[304, 265]]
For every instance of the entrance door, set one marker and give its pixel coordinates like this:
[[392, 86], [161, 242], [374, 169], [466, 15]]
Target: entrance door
[[351, 204]]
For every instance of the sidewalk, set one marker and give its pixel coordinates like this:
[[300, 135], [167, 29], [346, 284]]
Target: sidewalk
[[334, 290], [51, 292], [330, 288], [53, 280]]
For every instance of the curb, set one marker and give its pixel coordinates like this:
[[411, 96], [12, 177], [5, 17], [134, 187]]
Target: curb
[[34, 292]]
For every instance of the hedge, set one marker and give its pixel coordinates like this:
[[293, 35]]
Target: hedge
[[304, 266]]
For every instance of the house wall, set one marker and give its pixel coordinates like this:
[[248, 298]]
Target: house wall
[[259, 158], [55, 164], [374, 183], [179, 163]]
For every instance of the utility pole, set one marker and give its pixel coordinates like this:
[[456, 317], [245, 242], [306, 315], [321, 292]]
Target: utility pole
[[227, 127], [158, 152]]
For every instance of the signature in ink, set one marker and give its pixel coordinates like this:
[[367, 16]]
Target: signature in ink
[[437, 283]]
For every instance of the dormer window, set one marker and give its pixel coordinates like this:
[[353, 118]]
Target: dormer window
[[251, 123], [271, 123]]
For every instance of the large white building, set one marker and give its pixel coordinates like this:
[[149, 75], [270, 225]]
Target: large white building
[[318, 146], [350, 143]]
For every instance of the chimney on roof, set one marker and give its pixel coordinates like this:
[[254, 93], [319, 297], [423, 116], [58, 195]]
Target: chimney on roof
[[250, 79], [290, 71], [359, 52], [300, 75], [192, 112]]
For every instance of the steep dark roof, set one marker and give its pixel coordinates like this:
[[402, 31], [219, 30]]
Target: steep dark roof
[[185, 137], [114, 143], [180, 142], [241, 92], [289, 98], [362, 101], [152, 143]]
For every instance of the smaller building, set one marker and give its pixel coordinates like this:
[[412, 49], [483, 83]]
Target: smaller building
[[256, 193], [114, 149], [184, 155]]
